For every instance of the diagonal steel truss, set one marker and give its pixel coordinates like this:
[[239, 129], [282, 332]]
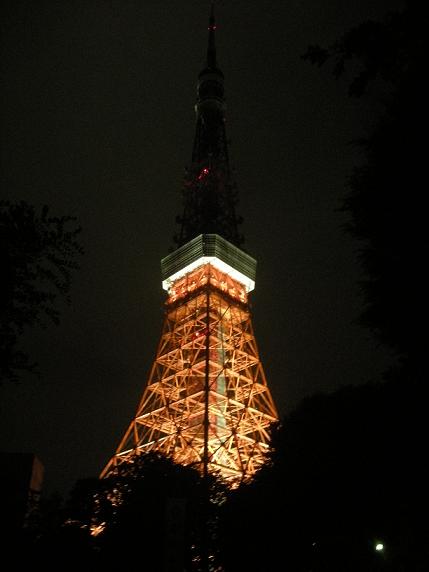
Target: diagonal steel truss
[[207, 402]]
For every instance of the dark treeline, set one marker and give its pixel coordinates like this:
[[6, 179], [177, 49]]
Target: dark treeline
[[348, 470]]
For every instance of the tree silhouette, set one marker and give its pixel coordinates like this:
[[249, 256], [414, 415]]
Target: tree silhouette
[[164, 508], [387, 191], [151, 510], [347, 471], [38, 254]]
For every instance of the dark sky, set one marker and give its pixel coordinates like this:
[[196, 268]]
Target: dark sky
[[98, 122]]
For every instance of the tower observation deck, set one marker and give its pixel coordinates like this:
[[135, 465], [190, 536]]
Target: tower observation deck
[[206, 402]]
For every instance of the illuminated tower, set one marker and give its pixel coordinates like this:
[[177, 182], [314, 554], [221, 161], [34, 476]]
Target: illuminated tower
[[206, 402]]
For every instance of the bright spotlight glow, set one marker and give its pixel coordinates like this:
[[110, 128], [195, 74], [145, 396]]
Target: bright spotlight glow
[[379, 546]]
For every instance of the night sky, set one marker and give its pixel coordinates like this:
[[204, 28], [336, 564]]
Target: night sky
[[98, 123]]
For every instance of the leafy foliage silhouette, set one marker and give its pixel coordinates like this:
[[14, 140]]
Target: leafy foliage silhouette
[[151, 507], [38, 254], [387, 189]]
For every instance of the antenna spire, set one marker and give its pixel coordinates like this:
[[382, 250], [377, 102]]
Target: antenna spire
[[211, 49], [209, 191]]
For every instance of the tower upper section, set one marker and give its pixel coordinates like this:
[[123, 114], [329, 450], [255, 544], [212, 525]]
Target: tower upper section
[[210, 140], [209, 194]]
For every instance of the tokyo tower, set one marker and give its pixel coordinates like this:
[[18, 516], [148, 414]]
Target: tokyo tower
[[206, 402]]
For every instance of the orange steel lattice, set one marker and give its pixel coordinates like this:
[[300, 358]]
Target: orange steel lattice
[[206, 403]]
